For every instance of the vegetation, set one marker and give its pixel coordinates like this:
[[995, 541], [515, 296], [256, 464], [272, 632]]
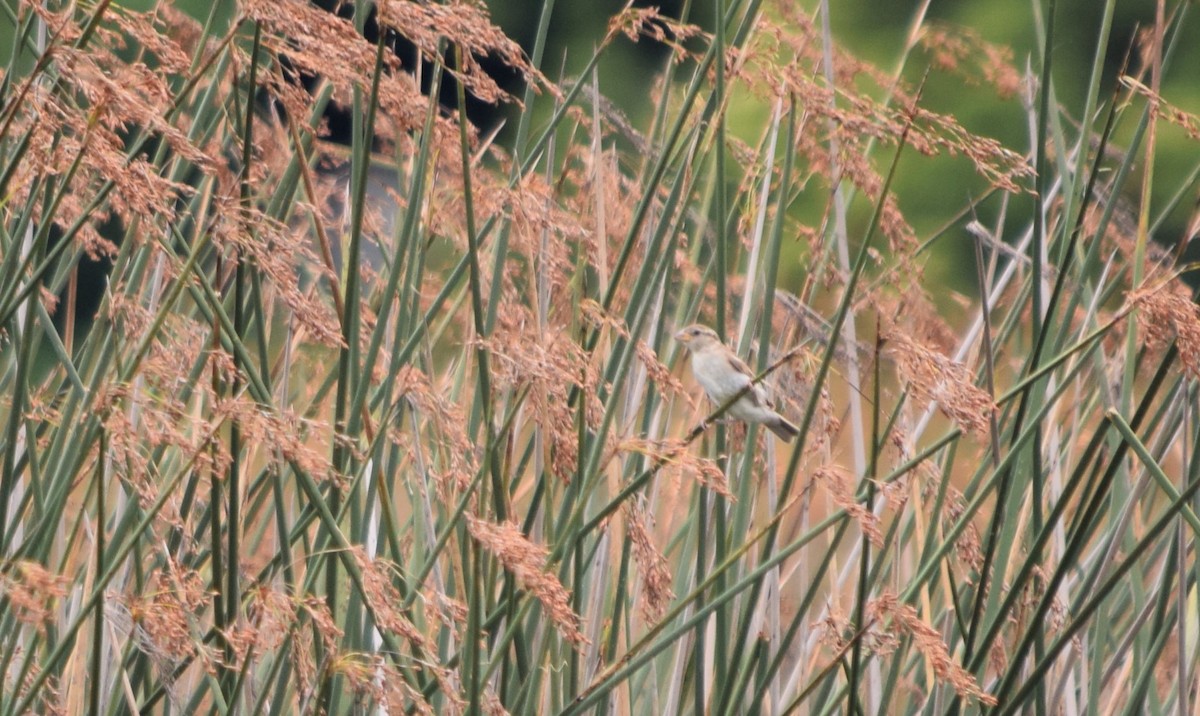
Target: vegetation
[[401, 425]]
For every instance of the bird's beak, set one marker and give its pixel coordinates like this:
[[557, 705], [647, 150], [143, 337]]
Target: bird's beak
[[681, 336]]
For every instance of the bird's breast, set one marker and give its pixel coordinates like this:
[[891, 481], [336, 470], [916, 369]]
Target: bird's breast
[[720, 381]]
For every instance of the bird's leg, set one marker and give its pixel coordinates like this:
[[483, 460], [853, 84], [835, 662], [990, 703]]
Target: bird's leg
[[703, 425]]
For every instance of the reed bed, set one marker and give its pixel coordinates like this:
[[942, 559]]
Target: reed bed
[[400, 426]]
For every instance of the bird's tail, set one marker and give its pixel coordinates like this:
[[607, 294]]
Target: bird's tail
[[781, 427]]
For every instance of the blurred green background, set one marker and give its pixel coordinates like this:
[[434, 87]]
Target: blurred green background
[[930, 191]]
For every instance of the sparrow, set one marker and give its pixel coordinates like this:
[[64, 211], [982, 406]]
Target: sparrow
[[723, 375]]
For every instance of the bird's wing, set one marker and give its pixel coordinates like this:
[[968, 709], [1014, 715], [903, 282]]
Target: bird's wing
[[758, 394], [739, 365]]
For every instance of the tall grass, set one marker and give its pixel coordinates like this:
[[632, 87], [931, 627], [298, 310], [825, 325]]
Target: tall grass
[[400, 426]]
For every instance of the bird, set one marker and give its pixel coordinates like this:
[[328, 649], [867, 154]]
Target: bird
[[723, 375]]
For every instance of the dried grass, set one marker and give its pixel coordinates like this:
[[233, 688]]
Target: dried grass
[[321, 460]]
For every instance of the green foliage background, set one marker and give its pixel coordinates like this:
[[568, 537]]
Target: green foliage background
[[876, 31]]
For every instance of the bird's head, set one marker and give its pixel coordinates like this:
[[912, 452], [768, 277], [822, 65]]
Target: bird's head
[[697, 336]]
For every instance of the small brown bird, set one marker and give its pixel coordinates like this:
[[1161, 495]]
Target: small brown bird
[[723, 375]]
